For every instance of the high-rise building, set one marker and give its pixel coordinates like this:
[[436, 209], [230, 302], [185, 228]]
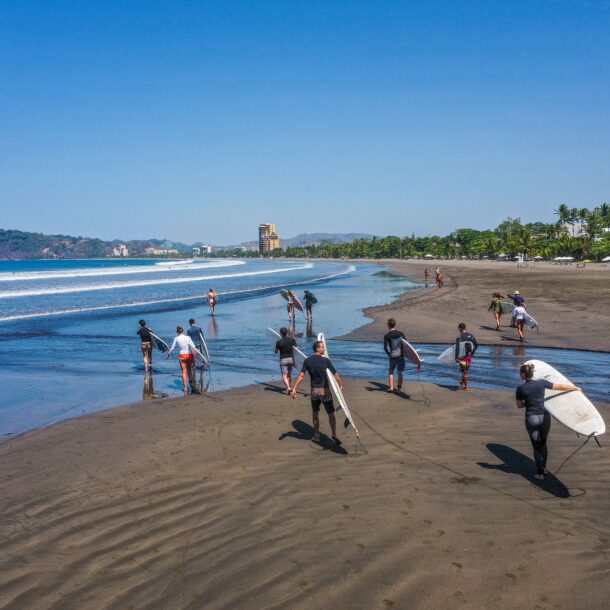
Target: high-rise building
[[268, 239]]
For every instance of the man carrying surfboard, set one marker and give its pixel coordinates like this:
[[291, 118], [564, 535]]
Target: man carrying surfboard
[[195, 333], [465, 347], [285, 348], [517, 299], [530, 395], [392, 345], [310, 301], [317, 365]]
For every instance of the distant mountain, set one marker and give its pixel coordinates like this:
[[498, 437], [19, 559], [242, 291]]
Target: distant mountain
[[22, 245], [315, 239]]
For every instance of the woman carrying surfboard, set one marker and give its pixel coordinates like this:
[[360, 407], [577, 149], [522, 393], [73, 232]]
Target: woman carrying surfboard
[[530, 395]]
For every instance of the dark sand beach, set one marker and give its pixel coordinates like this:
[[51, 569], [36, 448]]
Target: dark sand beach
[[570, 304], [222, 501]]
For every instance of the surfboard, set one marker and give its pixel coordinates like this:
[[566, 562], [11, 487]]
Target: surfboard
[[295, 299], [531, 322], [336, 390], [448, 356], [159, 343], [572, 409], [297, 354], [298, 303], [506, 307], [410, 353], [285, 294], [198, 357], [205, 348]]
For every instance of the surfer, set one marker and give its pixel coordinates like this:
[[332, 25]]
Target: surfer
[[212, 300], [196, 334], [285, 348], [146, 344], [317, 365], [290, 305], [518, 300], [519, 319], [310, 301], [184, 343], [530, 395], [465, 347], [439, 280], [392, 345], [496, 307], [426, 274]]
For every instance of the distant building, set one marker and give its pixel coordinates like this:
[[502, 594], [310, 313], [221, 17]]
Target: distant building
[[268, 239], [199, 250], [120, 250]]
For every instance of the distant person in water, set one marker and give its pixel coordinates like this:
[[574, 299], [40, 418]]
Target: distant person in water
[[426, 274], [184, 343], [519, 318], [290, 305], [212, 300], [530, 395], [316, 366], [310, 301], [496, 307], [285, 348], [392, 345], [465, 347], [146, 344]]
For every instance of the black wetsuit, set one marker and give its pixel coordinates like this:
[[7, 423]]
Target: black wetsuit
[[144, 333], [317, 366], [537, 418], [310, 301], [470, 347], [285, 346], [392, 345]]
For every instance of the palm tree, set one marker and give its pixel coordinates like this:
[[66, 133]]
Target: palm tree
[[563, 211]]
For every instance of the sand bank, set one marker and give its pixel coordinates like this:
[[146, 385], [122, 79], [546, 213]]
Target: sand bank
[[222, 502], [570, 304]]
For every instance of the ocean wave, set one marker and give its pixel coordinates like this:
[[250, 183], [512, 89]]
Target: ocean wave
[[12, 294], [44, 314], [22, 276]]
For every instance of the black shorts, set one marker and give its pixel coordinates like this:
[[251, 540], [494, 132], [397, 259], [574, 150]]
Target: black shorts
[[398, 362], [317, 401]]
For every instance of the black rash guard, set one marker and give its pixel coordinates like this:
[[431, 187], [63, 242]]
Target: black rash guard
[[392, 343], [285, 346], [317, 366], [144, 333]]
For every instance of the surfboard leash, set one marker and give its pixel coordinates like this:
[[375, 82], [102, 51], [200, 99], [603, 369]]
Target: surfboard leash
[[577, 450], [427, 401]]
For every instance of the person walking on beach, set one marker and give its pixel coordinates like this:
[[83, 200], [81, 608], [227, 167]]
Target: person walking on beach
[[195, 333], [439, 280], [146, 344], [496, 307], [285, 348], [317, 365], [310, 301], [465, 347], [212, 300], [519, 318], [392, 345], [517, 300], [530, 395], [426, 274], [184, 343]]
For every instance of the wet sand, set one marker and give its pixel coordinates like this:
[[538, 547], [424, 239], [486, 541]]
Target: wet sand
[[222, 501], [570, 304]]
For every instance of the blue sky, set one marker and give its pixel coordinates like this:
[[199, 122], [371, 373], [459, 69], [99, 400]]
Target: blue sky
[[198, 120]]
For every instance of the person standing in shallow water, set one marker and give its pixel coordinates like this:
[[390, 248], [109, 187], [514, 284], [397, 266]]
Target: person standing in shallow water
[[530, 396], [212, 300], [184, 343], [392, 345], [310, 301], [146, 344], [465, 347]]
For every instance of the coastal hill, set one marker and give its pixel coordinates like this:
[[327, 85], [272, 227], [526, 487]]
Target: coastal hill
[[21, 245]]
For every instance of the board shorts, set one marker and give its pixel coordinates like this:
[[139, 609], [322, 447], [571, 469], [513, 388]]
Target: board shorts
[[146, 346], [326, 399], [398, 362], [186, 358], [465, 363], [286, 365]]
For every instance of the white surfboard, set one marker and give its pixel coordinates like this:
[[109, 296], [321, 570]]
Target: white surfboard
[[531, 322], [506, 307], [199, 358], [334, 386], [297, 355], [448, 356], [206, 353], [572, 409], [410, 353]]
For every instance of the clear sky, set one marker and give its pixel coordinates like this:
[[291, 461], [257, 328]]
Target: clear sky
[[198, 120]]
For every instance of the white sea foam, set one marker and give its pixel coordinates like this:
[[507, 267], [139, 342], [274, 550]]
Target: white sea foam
[[163, 267], [44, 314], [36, 292]]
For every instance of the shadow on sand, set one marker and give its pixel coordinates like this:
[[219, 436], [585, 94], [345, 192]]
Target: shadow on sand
[[304, 432], [383, 387], [515, 462]]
